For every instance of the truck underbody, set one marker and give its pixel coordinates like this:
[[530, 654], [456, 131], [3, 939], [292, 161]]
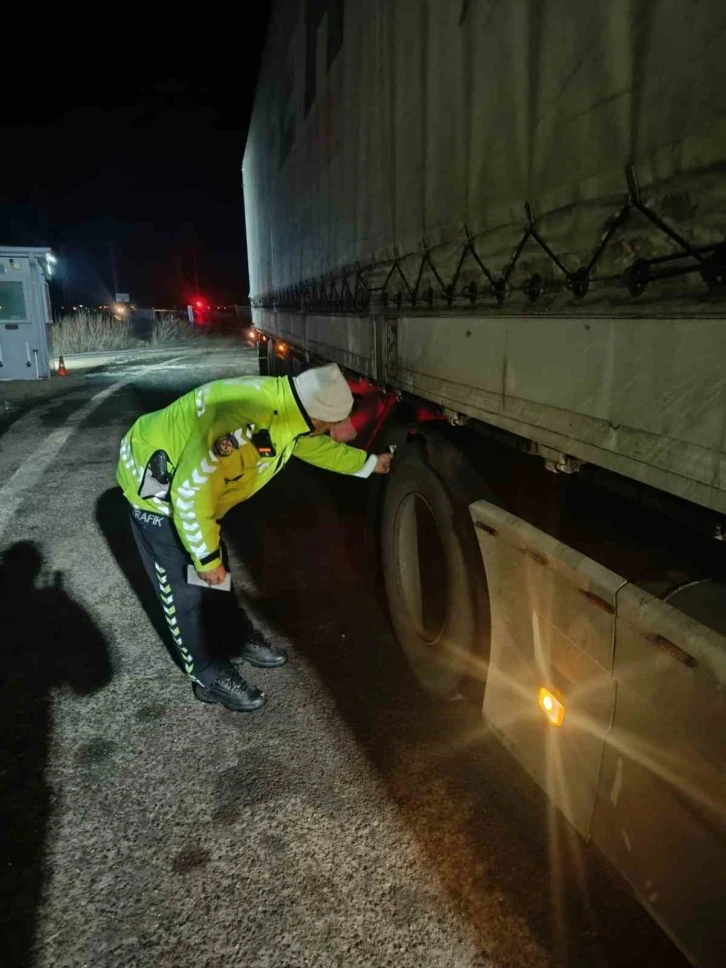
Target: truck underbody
[[512, 568]]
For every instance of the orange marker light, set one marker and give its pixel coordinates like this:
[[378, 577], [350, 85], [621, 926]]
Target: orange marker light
[[551, 706]]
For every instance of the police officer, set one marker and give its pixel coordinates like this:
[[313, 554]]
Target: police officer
[[182, 468]]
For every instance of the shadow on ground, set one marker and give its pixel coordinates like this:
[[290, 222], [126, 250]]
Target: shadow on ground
[[112, 517], [47, 642], [487, 832], [221, 611]]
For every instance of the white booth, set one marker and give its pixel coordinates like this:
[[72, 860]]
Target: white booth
[[24, 312]]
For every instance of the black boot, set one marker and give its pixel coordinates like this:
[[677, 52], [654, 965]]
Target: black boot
[[259, 652], [231, 691]]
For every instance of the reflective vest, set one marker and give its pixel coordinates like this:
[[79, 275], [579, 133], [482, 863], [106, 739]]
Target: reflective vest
[[203, 484]]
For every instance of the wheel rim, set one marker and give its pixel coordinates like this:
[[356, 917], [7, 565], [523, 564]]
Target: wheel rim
[[421, 567]]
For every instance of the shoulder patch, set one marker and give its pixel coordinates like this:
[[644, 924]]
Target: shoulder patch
[[225, 445]]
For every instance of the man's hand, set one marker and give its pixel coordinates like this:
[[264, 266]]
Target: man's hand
[[384, 464], [214, 577]]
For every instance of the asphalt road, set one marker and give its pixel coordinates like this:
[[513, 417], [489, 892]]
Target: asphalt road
[[353, 822]]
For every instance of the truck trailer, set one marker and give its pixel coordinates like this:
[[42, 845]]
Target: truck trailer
[[505, 221]]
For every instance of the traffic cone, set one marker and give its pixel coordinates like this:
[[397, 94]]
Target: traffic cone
[[62, 371]]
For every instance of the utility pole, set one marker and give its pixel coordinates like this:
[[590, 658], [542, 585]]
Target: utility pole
[[194, 264], [113, 267], [180, 283]]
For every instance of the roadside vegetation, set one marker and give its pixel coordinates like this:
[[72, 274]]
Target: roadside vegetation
[[85, 332], [89, 332], [171, 329]]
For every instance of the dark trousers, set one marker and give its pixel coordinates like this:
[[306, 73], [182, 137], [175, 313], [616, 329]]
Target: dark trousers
[[166, 561]]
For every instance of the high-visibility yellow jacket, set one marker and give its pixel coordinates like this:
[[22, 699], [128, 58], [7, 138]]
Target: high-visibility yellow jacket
[[204, 485]]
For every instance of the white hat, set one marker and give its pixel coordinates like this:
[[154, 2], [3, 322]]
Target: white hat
[[324, 393]]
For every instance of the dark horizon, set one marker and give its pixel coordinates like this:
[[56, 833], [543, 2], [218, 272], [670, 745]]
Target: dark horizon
[[135, 160]]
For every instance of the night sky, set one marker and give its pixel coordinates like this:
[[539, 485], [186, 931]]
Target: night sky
[[133, 144]]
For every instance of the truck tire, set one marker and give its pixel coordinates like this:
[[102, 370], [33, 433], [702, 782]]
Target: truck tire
[[272, 361], [429, 556], [263, 357]]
